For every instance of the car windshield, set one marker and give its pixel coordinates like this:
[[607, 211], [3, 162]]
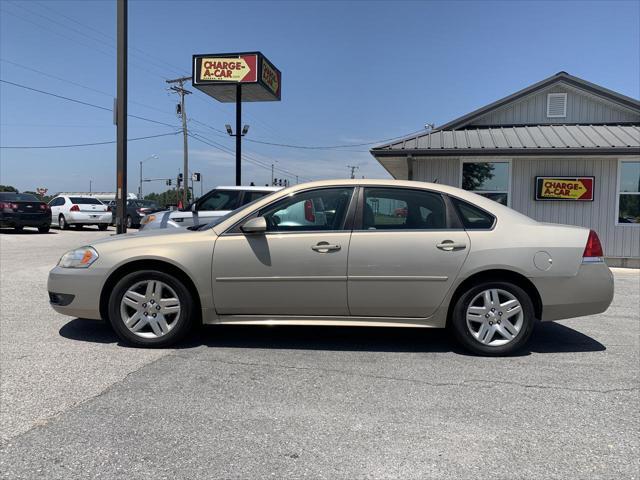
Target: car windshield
[[18, 197], [85, 201], [220, 200]]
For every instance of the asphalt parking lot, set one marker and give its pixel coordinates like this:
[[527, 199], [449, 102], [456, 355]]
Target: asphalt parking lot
[[253, 402]]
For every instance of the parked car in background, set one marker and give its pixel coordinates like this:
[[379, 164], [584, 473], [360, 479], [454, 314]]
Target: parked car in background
[[79, 211], [336, 253], [216, 203], [136, 210], [19, 210]]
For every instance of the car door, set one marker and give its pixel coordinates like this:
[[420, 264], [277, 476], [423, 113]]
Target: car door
[[404, 254], [297, 267]]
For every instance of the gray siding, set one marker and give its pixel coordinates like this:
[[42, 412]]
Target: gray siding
[[600, 215], [582, 107]]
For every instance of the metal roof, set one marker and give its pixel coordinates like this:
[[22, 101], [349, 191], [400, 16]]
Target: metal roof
[[563, 77], [530, 139]]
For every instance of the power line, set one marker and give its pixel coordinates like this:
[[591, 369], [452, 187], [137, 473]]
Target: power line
[[23, 147], [62, 97]]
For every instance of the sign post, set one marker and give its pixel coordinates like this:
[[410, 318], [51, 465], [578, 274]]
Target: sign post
[[237, 77]]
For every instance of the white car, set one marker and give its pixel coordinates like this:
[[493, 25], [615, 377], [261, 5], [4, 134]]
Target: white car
[[216, 203], [69, 210]]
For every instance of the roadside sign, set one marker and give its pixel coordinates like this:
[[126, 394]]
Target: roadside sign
[[565, 188], [218, 74]]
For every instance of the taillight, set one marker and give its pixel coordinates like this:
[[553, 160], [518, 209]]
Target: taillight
[[74, 208], [8, 206], [593, 248], [309, 216], [44, 206]]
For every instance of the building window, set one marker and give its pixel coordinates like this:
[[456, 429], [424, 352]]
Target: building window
[[489, 179], [629, 192]]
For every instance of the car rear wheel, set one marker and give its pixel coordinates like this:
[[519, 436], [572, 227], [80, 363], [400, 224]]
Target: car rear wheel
[[44, 229], [62, 223], [18, 228], [102, 226], [493, 318], [129, 221], [151, 309]]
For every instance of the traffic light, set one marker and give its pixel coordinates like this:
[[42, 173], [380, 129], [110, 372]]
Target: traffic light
[[168, 182]]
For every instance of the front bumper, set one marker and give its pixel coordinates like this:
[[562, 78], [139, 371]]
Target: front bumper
[[589, 292], [83, 284], [88, 218]]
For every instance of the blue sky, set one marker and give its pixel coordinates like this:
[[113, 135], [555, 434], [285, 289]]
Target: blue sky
[[353, 72]]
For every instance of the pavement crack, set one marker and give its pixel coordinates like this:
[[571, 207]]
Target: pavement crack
[[465, 383]]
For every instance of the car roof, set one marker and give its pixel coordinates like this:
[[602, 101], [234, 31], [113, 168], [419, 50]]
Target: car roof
[[249, 188]]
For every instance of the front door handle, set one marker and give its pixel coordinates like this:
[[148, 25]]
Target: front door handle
[[450, 246], [325, 247]]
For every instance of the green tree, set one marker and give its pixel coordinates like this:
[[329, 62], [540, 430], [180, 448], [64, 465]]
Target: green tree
[[475, 174], [8, 188]]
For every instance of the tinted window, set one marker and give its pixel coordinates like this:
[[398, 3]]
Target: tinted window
[[402, 209], [251, 196], [322, 209], [18, 197], [85, 201], [472, 217], [220, 200], [57, 202]]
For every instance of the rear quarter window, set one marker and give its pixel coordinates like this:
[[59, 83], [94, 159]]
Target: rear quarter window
[[472, 217]]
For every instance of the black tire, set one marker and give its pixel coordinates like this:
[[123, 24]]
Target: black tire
[[129, 221], [102, 227], [62, 223], [78, 226], [18, 228], [464, 336], [183, 323], [44, 229]]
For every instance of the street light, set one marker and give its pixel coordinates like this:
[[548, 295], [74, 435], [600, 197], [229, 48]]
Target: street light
[[140, 186]]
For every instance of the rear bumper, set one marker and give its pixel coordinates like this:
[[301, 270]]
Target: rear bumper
[[24, 220], [88, 218], [588, 293], [76, 291]]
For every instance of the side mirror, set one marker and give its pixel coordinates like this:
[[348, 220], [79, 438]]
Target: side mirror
[[194, 207], [255, 225]]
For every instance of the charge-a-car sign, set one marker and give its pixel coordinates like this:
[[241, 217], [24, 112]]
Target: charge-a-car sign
[[565, 188], [240, 69]]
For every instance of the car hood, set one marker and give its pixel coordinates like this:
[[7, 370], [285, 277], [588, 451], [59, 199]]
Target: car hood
[[146, 235]]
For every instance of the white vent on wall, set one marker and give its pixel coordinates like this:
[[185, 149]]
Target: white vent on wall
[[556, 105]]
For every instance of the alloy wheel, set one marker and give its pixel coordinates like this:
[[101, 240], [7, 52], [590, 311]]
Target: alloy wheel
[[150, 309], [494, 317]]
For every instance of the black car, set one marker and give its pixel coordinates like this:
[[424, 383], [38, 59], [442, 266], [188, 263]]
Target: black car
[[136, 209], [19, 210]]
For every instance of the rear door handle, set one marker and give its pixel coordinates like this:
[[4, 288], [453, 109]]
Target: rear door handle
[[325, 247], [450, 246]]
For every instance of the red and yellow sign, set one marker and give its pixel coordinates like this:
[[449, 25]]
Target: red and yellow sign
[[271, 78], [240, 69], [564, 188]]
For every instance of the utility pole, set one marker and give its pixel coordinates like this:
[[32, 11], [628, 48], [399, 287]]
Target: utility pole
[[353, 170], [179, 89], [121, 118], [90, 181]]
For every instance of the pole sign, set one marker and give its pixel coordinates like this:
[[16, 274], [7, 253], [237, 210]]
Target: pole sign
[[578, 189], [240, 69], [218, 74]]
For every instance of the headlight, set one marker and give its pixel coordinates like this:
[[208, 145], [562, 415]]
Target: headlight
[[78, 258]]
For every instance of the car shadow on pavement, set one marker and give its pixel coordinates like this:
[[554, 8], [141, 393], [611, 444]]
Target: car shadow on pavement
[[547, 338]]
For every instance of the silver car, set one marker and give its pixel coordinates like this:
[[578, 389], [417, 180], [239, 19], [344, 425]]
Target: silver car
[[347, 252]]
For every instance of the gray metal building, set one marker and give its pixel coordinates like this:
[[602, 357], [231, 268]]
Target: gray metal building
[[562, 129]]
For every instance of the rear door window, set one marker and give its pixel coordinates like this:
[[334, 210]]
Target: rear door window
[[403, 209]]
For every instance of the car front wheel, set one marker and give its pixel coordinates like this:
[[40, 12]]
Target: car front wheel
[[493, 318], [150, 308]]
